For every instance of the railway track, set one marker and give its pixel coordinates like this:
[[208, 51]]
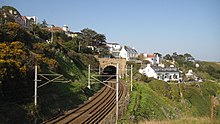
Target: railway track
[[93, 110]]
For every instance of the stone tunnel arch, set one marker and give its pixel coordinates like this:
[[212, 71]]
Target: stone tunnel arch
[[109, 70], [105, 62]]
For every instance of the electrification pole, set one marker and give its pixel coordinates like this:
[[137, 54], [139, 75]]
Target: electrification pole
[[126, 72], [35, 87], [99, 70], [48, 81], [117, 92], [51, 34], [89, 77], [79, 47], [131, 77]]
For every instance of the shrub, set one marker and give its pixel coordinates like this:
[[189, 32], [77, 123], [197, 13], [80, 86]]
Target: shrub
[[161, 87]]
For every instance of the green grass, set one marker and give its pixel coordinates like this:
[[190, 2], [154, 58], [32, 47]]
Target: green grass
[[184, 120], [66, 96], [148, 104], [209, 71], [162, 102], [70, 69]]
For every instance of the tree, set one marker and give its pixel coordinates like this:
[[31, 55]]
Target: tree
[[14, 32], [87, 36], [167, 57], [92, 38], [141, 57], [7, 8], [100, 39], [39, 32], [61, 36], [44, 24], [72, 44], [174, 55], [180, 59], [187, 55], [159, 55], [35, 29]]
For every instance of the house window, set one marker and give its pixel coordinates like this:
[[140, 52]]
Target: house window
[[174, 76]]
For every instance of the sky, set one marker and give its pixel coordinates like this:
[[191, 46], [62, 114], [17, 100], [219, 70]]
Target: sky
[[164, 26]]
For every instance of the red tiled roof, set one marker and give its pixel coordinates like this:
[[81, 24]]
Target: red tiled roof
[[24, 17], [57, 29], [151, 56], [54, 29]]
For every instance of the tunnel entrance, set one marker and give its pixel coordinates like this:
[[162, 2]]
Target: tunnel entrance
[[110, 70]]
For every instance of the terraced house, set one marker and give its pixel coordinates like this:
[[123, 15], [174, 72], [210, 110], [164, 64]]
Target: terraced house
[[160, 73]]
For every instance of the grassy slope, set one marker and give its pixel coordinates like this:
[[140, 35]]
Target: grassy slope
[[65, 96], [55, 98], [204, 67], [156, 102]]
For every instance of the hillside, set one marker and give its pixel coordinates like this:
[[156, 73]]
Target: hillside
[[209, 71], [171, 103], [155, 101], [20, 51], [151, 100]]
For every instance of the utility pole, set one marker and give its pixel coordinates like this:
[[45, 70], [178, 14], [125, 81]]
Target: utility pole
[[126, 72], [212, 108], [89, 77], [48, 81], [35, 87], [131, 77], [117, 92], [52, 34], [79, 47], [99, 70]]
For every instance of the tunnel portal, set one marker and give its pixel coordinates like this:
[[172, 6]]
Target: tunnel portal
[[110, 70]]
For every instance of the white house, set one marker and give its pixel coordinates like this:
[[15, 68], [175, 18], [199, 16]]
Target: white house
[[158, 58], [24, 21], [160, 73], [65, 28], [130, 54], [153, 58], [113, 47], [148, 71], [33, 19], [150, 57], [191, 75], [118, 51]]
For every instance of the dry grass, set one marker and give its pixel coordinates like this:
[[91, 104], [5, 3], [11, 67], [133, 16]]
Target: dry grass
[[186, 120]]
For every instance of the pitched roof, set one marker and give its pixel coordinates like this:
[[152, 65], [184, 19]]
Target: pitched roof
[[113, 43], [54, 29], [129, 49], [161, 69], [151, 56]]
